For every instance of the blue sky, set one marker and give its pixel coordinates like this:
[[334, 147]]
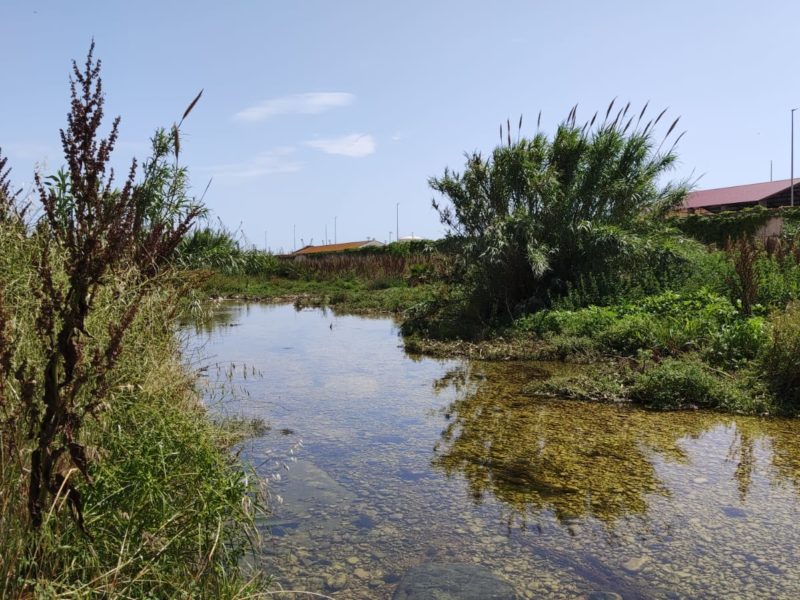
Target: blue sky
[[321, 110]]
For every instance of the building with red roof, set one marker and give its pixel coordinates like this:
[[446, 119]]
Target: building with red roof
[[770, 194]]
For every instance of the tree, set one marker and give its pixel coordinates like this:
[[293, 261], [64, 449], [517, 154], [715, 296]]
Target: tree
[[541, 214]]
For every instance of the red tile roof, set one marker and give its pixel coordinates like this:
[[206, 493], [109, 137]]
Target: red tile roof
[[331, 248], [738, 194]]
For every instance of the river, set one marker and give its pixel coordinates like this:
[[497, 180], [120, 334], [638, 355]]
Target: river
[[378, 461]]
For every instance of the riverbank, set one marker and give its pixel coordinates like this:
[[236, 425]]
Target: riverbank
[[344, 295], [162, 507], [668, 351]]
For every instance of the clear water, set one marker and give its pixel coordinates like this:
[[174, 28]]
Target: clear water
[[384, 461]]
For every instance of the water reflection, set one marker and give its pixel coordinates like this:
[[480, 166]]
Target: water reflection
[[204, 320], [577, 459], [562, 499]]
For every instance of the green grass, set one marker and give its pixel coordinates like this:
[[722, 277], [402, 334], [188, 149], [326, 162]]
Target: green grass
[[169, 513]]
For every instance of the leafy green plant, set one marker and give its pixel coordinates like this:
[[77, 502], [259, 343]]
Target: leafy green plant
[[685, 382], [541, 213], [778, 359]]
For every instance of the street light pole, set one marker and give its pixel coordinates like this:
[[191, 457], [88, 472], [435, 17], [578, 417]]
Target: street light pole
[[791, 190], [334, 230]]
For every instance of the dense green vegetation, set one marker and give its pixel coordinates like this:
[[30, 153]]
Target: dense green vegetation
[[542, 216], [351, 294], [721, 227], [113, 481], [567, 250]]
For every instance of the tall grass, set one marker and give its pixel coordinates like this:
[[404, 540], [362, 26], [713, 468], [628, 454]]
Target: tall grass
[[372, 267], [168, 511], [218, 249], [114, 483]]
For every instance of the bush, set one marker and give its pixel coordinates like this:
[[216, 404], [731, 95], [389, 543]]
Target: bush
[[630, 333], [112, 482], [585, 322], [779, 360], [685, 383], [449, 315], [735, 342], [162, 478], [218, 249], [778, 279], [548, 216], [669, 323]]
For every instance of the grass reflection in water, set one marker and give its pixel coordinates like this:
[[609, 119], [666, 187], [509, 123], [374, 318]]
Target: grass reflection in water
[[578, 459]]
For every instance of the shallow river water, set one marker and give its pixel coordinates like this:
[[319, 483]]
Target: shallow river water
[[378, 461]]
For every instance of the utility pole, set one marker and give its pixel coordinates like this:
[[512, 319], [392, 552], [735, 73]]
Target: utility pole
[[334, 230], [294, 238], [325, 241]]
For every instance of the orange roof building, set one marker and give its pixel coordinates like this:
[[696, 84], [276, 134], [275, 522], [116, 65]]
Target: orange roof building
[[331, 248]]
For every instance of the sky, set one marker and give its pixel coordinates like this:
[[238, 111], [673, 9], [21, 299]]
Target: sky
[[321, 115]]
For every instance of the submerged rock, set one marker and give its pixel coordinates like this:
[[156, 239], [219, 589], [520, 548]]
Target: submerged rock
[[336, 581], [633, 565], [443, 581]]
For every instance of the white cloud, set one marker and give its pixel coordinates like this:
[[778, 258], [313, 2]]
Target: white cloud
[[279, 160], [302, 104], [355, 144]]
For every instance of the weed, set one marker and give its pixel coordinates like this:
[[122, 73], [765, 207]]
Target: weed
[[778, 359]]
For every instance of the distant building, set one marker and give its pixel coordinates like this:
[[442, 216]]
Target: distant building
[[332, 248], [410, 238], [770, 194]]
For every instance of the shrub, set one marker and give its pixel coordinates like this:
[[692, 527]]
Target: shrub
[[218, 249], [630, 333], [585, 322], [540, 215], [450, 315], [686, 382], [113, 483], [733, 343], [669, 322], [779, 360], [778, 279]]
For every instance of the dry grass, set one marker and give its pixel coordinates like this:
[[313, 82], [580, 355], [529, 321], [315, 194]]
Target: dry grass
[[375, 267]]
